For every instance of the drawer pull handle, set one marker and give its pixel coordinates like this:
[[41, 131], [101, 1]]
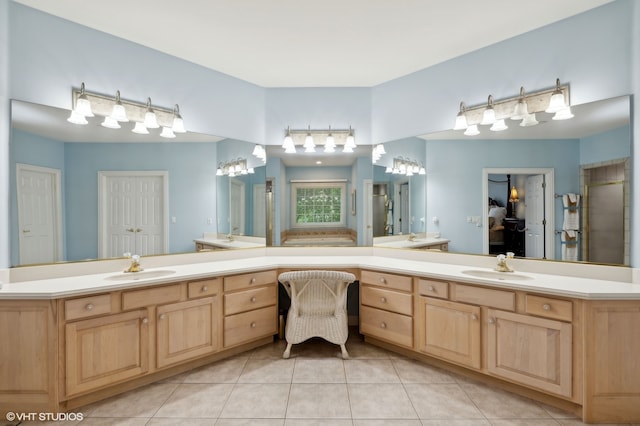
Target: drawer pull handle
[[145, 320], [253, 325], [383, 299], [162, 316], [474, 317], [205, 288], [382, 280], [89, 306], [253, 280], [432, 288], [546, 307], [383, 325], [253, 299]]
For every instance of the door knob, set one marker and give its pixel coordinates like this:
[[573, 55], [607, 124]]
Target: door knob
[[129, 229]]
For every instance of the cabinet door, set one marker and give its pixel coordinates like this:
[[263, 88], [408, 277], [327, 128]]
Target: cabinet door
[[106, 350], [450, 330], [530, 350], [187, 330]]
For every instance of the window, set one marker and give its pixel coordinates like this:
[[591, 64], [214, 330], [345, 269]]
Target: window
[[318, 204]]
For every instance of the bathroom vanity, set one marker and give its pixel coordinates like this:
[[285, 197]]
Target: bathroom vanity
[[567, 341]]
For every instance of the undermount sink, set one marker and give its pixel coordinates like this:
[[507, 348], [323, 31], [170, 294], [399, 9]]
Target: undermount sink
[[495, 275], [132, 276]]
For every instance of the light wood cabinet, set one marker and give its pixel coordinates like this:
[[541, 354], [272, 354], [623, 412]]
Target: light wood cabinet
[[534, 351], [106, 350], [250, 307], [450, 331], [386, 307], [187, 330]]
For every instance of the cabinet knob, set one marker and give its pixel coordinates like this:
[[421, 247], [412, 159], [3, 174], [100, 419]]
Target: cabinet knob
[[383, 299], [162, 316], [492, 321], [253, 325], [382, 280], [253, 280], [145, 320], [204, 288], [89, 306], [253, 299], [474, 317], [546, 307], [432, 288], [383, 325]]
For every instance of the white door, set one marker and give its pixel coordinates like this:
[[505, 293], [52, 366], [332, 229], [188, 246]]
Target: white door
[[39, 226], [402, 221], [534, 216], [236, 206], [259, 210], [133, 213]]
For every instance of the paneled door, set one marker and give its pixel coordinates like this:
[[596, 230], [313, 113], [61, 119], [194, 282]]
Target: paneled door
[[534, 216], [39, 225], [259, 210], [133, 213], [236, 206]]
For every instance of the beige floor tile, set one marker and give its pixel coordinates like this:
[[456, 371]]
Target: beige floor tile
[[380, 401], [272, 350], [225, 371], [411, 371], [557, 413], [105, 421], [370, 371], [143, 402], [318, 422], [178, 378], [267, 371], [386, 422], [318, 400], [361, 350], [322, 370], [450, 422], [196, 400], [316, 348], [250, 422], [498, 404], [174, 421], [524, 422], [257, 401], [442, 401]]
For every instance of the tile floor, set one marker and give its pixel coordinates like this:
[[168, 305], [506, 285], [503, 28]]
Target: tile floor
[[316, 387]]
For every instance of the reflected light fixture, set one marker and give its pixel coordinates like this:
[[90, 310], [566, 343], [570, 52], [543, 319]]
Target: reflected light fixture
[[311, 140], [309, 145], [556, 103], [350, 142], [405, 167], [472, 130], [260, 153], [529, 120], [234, 168], [489, 114], [461, 118], [330, 142], [499, 126], [521, 110], [116, 110]]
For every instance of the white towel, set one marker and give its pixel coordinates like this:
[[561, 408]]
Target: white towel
[[569, 245], [571, 202]]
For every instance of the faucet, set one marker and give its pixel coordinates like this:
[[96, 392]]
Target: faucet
[[412, 236], [502, 262], [135, 263], [230, 237]]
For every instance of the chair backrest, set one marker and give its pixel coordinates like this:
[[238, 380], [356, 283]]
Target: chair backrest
[[317, 292]]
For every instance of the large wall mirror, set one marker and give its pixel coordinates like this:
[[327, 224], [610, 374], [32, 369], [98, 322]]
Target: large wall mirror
[[317, 199], [88, 192], [558, 190]]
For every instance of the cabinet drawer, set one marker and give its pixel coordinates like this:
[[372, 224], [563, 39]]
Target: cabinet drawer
[[204, 288], [247, 300], [242, 328], [431, 288], [150, 296], [87, 307], [388, 300], [398, 282], [484, 296], [387, 326], [239, 282], [548, 307]]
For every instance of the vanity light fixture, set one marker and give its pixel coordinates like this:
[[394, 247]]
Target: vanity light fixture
[[260, 153], [405, 167], [377, 152], [329, 139], [234, 168], [522, 107], [116, 110]]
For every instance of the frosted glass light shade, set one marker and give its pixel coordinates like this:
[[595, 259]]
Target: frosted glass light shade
[[461, 122], [77, 118], [520, 111], [83, 106], [150, 120], [110, 123], [563, 114], [499, 126], [178, 125], [529, 120], [167, 133], [140, 129], [118, 113], [556, 103], [472, 130]]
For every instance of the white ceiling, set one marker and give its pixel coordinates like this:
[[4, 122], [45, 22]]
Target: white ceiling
[[323, 43]]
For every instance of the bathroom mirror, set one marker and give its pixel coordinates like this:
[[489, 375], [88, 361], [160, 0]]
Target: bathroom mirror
[[316, 199], [160, 192], [588, 155]]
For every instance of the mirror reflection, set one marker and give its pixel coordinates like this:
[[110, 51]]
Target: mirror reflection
[[585, 159], [88, 192], [316, 199]]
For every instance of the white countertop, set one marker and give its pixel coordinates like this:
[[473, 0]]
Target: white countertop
[[228, 244], [415, 243], [582, 288]]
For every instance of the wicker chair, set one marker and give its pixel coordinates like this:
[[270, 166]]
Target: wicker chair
[[318, 307]]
